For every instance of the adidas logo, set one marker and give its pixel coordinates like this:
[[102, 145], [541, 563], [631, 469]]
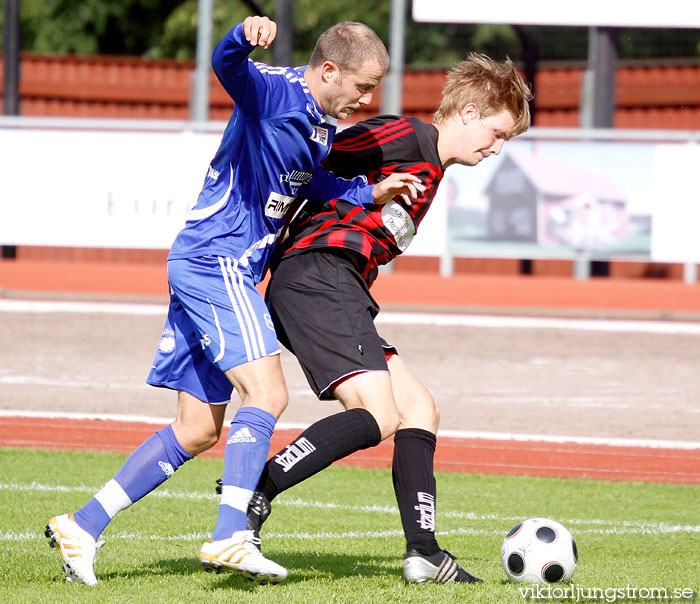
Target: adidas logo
[[241, 436], [167, 468]]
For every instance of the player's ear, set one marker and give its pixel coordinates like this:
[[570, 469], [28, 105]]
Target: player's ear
[[329, 71], [470, 112]]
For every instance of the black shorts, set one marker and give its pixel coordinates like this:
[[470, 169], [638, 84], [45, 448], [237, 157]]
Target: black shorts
[[324, 314]]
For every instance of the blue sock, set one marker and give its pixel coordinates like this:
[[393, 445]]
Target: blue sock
[[247, 446], [146, 468]]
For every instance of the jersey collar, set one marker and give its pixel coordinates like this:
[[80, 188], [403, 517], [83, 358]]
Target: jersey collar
[[312, 107]]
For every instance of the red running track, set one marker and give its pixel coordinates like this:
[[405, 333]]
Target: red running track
[[483, 456]]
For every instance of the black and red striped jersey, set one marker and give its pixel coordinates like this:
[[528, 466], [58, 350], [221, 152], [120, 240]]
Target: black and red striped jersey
[[374, 147]]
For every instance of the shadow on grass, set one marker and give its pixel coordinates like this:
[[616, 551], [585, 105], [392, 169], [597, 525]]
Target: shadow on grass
[[301, 567]]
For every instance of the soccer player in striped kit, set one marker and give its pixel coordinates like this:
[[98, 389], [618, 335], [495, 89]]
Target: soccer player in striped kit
[[319, 297], [218, 334]]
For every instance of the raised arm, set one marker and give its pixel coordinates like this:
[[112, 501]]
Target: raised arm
[[240, 78]]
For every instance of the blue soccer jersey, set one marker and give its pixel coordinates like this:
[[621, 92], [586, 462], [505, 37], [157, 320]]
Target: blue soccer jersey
[[270, 153]]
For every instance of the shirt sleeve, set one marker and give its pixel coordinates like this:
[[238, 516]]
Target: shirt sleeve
[[356, 150], [325, 186], [243, 82]]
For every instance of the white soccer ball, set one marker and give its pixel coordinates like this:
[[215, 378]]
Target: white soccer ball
[[539, 550]]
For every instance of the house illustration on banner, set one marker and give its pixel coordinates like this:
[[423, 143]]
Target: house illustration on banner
[[533, 198]]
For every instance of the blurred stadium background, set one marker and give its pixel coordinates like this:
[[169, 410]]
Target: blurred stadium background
[[131, 68], [577, 217]]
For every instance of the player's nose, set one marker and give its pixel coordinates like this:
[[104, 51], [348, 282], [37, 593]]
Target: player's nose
[[365, 99], [497, 146]]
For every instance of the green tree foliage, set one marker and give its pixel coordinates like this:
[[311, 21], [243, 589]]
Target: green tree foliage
[[310, 19], [92, 26], [168, 28]]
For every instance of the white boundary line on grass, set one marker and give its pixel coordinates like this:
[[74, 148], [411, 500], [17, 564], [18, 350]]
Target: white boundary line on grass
[[591, 526], [463, 434], [389, 533], [583, 525], [386, 317]]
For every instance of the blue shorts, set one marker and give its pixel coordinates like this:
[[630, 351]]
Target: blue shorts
[[217, 320]]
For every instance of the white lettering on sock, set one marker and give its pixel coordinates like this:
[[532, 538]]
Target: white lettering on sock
[[243, 435], [426, 509], [113, 498], [293, 453], [167, 468]]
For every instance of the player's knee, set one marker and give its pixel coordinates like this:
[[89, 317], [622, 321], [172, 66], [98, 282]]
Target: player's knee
[[272, 401], [388, 422], [198, 440], [278, 399], [278, 404], [433, 412], [432, 416], [208, 440], [420, 412], [272, 398]]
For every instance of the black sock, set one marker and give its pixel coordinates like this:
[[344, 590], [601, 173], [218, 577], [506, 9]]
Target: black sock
[[322, 443], [414, 485]]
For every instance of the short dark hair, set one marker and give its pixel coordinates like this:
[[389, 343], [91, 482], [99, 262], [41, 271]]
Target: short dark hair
[[349, 44]]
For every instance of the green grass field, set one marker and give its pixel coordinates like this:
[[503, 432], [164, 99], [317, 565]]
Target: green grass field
[[339, 534]]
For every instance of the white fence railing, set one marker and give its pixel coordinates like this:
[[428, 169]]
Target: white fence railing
[[568, 193]]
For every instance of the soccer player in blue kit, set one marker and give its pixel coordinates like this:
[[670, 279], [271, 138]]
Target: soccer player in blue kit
[[218, 334]]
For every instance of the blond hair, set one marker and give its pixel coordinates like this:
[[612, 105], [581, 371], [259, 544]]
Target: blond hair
[[491, 86], [349, 44]]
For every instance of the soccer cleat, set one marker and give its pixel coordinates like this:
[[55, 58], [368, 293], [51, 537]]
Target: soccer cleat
[[259, 509], [240, 553], [436, 568], [77, 548]]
